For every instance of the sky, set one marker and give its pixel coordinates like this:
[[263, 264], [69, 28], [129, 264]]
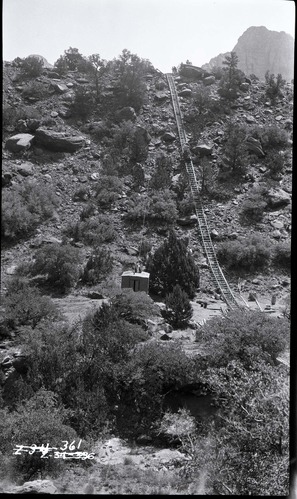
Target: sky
[[167, 32]]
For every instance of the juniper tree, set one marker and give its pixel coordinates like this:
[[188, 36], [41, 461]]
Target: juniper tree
[[178, 310], [172, 264], [231, 78]]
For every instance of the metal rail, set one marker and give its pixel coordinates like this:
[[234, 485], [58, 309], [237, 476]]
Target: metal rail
[[205, 237]]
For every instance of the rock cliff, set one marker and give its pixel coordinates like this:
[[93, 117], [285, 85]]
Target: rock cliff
[[259, 50]]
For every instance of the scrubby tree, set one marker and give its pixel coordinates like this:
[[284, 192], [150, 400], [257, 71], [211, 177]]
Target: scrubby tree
[[172, 264], [83, 103], [26, 206], [98, 266], [130, 87], [235, 156], [246, 254], [59, 264], [157, 208], [97, 70], [253, 207], [178, 310], [151, 371], [24, 305], [274, 87], [92, 229], [231, 79], [282, 255], [32, 66], [135, 308], [72, 58], [161, 176], [108, 190]]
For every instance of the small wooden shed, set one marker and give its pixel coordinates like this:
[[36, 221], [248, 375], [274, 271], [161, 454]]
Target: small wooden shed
[[138, 281]]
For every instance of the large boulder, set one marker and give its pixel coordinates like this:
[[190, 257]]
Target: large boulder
[[35, 487], [278, 198], [209, 80], [203, 150], [19, 142], [169, 137], [195, 72], [161, 96], [60, 88], [25, 169], [185, 92], [58, 141]]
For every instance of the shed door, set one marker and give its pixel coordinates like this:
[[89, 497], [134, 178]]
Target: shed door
[[136, 284]]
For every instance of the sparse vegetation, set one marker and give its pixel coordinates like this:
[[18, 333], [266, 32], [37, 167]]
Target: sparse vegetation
[[25, 207]]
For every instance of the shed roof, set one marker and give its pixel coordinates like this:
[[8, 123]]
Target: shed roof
[[130, 273]]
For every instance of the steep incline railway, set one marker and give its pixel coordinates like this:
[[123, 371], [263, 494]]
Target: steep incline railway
[[205, 238]]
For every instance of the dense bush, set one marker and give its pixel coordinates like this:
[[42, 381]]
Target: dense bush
[[271, 137], [178, 310], [282, 255], [93, 231], [275, 163], [253, 207], [135, 308], [98, 266], [108, 190], [24, 305], [172, 264], [158, 207], [152, 370], [59, 264], [26, 206], [32, 66], [36, 90], [38, 421], [82, 194], [247, 446], [248, 336], [247, 254]]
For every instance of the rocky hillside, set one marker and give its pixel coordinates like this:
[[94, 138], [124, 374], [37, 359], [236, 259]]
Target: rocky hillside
[[260, 49], [51, 146], [92, 162]]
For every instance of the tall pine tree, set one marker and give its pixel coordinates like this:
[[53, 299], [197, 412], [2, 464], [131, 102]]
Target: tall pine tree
[[170, 265]]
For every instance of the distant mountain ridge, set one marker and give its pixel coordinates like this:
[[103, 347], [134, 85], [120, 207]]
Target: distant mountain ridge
[[260, 49]]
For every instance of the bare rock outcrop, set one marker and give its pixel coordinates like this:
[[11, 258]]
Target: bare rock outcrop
[[259, 50], [58, 141], [19, 142]]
